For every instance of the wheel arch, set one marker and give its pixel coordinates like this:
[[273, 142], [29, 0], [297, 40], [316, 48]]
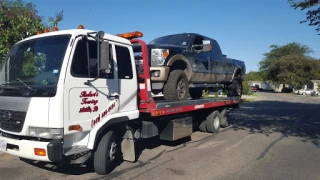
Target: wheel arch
[[237, 72], [180, 62], [115, 124]]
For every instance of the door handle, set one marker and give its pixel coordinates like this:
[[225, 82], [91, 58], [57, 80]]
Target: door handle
[[116, 96]]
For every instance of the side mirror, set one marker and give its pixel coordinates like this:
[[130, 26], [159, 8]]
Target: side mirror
[[206, 46], [104, 56]]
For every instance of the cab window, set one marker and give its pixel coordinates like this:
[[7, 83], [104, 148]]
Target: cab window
[[82, 68]]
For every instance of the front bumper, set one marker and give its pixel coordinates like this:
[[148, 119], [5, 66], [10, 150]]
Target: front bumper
[[159, 80], [26, 149], [163, 73]]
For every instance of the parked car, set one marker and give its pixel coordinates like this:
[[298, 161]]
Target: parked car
[[183, 64], [305, 91], [253, 89], [297, 91]]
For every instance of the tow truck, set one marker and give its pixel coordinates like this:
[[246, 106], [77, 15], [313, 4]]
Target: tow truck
[[79, 95]]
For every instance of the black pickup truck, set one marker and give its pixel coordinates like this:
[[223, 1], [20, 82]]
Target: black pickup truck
[[184, 64]]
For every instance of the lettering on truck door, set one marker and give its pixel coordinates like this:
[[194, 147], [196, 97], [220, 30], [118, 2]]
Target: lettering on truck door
[[88, 104]]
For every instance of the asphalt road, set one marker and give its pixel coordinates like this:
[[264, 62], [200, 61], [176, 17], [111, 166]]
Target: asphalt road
[[276, 137]]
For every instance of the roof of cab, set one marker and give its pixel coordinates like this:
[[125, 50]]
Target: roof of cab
[[77, 32]]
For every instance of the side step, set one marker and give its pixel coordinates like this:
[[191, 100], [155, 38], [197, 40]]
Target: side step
[[76, 150]]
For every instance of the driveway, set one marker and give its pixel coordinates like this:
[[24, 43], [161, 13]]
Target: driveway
[[275, 137]]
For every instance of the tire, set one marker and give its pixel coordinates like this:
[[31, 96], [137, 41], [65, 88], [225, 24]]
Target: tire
[[102, 162], [203, 127], [213, 122], [176, 87], [224, 118], [236, 88], [195, 93]]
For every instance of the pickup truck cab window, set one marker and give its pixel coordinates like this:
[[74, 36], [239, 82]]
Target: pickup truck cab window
[[197, 43], [178, 40], [79, 67]]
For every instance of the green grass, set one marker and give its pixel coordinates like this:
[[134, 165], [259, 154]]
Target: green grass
[[249, 100]]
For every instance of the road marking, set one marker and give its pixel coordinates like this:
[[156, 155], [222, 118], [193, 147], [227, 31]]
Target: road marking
[[238, 143]]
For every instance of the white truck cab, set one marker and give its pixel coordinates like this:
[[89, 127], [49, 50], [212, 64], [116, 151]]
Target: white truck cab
[[56, 93]]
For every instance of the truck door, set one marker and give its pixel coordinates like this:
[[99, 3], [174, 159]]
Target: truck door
[[218, 68], [88, 104], [203, 61], [128, 85]]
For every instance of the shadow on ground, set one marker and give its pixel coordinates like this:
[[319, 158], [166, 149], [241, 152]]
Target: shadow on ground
[[260, 117], [291, 119], [88, 167]]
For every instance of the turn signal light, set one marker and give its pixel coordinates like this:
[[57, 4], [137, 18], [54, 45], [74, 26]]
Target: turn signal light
[[131, 35], [40, 152], [76, 127], [80, 26], [165, 54], [158, 113], [46, 30], [55, 29]]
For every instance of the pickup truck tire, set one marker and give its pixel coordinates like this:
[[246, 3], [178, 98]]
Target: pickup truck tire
[[235, 89], [106, 154], [195, 93], [213, 122], [176, 87]]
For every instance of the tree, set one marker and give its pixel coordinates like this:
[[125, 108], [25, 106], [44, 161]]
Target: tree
[[253, 76], [295, 70], [313, 13], [19, 20], [278, 52], [246, 87]]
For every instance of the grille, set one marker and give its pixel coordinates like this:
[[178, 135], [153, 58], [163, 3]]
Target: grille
[[16, 121]]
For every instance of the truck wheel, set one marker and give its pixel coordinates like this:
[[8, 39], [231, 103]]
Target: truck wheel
[[235, 89], [203, 127], [176, 87], [224, 118], [213, 122], [195, 93], [106, 154]]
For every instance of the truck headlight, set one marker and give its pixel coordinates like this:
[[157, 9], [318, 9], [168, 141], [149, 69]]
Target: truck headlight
[[48, 133], [158, 56]]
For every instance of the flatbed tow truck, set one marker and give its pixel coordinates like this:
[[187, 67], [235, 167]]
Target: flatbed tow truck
[[63, 116]]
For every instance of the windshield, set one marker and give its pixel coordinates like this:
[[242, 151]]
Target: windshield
[[35, 62], [177, 39]]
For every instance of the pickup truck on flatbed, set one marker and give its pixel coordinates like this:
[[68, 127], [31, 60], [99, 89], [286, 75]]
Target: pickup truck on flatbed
[[183, 64], [73, 96]]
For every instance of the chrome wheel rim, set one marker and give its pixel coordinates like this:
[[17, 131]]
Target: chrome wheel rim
[[216, 122], [112, 151], [181, 88]]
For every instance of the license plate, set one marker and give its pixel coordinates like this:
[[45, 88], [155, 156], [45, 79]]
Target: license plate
[[3, 145]]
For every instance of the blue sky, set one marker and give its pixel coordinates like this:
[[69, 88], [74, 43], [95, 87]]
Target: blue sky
[[244, 29]]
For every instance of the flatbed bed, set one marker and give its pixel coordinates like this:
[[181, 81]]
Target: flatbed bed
[[167, 108]]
